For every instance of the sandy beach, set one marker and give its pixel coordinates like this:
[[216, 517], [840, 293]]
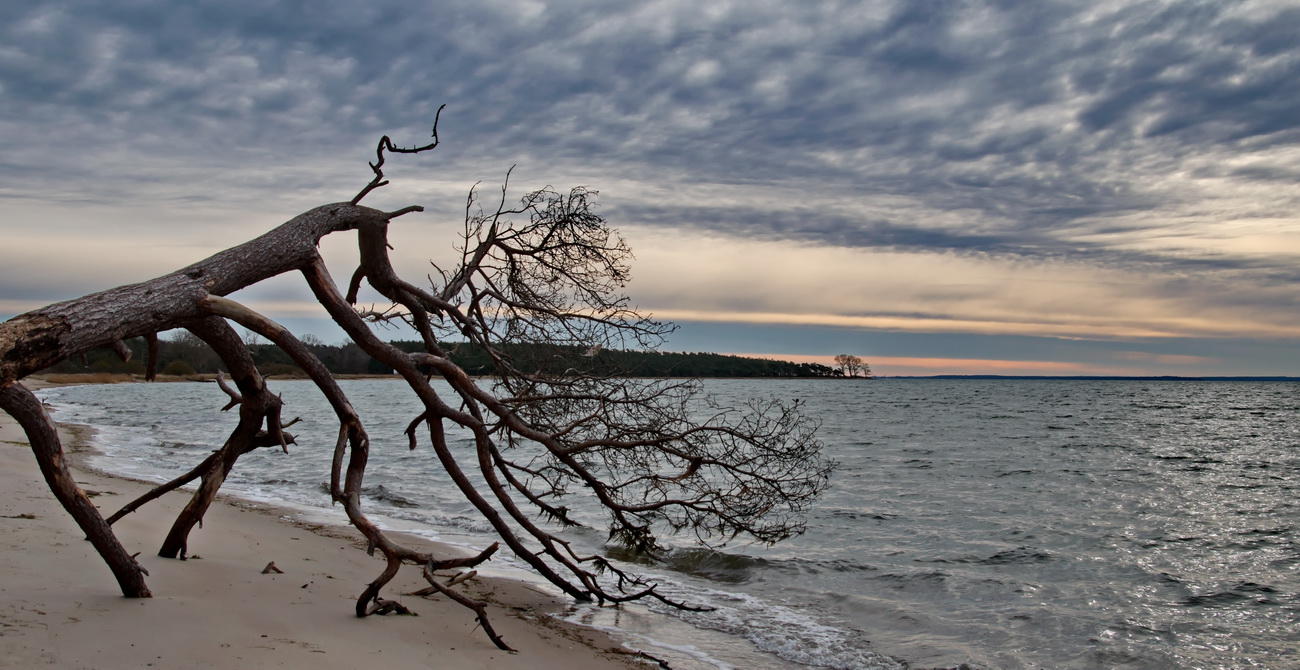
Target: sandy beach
[[60, 607]]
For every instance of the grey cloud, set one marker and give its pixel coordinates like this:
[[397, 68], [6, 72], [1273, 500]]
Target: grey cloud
[[807, 225], [814, 226], [1190, 67], [1037, 119]]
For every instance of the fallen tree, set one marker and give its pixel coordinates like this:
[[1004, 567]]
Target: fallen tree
[[548, 273]]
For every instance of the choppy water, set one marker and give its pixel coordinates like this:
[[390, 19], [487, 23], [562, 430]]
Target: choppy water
[[1005, 524]]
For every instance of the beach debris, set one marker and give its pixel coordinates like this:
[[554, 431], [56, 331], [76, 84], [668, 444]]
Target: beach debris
[[462, 577], [270, 567], [430, 590], [637, 653], [382, 606]]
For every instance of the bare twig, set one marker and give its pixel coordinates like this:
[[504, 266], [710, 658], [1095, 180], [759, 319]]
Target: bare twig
[[386, 144]]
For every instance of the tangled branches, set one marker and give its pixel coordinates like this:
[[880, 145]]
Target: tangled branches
[[539, 287]]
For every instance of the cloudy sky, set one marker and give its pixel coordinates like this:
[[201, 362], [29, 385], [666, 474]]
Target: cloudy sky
[[1010, 186]]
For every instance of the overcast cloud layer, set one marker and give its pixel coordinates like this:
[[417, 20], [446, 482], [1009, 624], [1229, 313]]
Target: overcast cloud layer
[[1085, 169]]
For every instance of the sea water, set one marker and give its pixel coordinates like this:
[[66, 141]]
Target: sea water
[[999, 523]]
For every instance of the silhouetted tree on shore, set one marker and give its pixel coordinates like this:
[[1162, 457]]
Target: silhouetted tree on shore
[[852, 366]]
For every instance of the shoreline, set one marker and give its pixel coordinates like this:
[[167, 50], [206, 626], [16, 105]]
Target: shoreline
[[61, 606], [80, 378]]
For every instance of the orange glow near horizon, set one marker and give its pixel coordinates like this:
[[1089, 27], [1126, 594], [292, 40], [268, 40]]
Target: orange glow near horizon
[[892, 366]]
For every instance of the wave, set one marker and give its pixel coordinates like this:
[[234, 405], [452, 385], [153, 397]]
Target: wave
[[778, 629], [715, 565], [1258, 594], [1017, 556], [857, 514]]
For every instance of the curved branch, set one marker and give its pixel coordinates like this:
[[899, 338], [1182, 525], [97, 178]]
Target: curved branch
[[255, 403], [44, 440], [386, 144], [480, 609], [235, 398], [347, 492]]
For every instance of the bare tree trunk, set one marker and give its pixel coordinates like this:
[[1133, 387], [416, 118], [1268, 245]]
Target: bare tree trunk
[[151, 365], [44, 438]]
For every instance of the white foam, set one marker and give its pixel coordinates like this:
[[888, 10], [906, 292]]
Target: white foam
[[783, 631]]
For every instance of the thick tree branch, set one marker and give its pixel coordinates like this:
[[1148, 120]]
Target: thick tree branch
[[36, 340]]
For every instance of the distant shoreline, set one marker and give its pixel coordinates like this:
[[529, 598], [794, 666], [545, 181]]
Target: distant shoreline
[[118, 378], [1099, 378]]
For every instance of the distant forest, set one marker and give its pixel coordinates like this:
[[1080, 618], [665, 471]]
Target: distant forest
[[188, 355]]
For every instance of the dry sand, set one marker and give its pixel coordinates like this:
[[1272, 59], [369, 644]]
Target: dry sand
[[60, 607]]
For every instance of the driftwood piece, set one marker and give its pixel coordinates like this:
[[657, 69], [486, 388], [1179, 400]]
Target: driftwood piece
[[546, 273]]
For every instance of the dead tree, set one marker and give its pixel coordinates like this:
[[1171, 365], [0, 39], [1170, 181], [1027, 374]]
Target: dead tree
[[547, 273], [851, 366]]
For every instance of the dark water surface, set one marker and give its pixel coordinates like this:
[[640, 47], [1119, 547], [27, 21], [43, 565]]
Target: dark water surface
[[1005, 524]]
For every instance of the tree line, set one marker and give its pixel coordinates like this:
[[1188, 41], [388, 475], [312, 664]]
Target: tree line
[[184, 354]]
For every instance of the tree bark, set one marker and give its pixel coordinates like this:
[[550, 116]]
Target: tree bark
[[36, 340], [44, 439], [151, 365]]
